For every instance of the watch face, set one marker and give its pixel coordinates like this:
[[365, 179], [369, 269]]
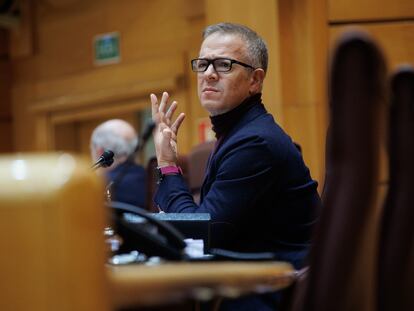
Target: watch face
[[158, 175], [166, 170]]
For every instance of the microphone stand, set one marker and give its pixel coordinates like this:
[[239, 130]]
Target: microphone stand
[[112, 240], [108, 192]]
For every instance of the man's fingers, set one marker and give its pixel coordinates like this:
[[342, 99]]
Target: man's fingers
[[177, 123], [154, 105], [163, 103], [162, 115], [171, 110]]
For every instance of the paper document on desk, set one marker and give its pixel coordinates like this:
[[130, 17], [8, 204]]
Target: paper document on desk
[[194, 248]]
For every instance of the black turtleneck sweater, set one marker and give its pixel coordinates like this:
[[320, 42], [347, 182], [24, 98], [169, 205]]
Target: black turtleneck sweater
[[222, 123]]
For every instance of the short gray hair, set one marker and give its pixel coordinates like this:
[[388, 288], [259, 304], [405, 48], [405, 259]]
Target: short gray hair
[[256, 47], [108, 139]]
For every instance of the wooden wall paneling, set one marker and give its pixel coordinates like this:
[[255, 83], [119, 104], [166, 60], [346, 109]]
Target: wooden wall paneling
[[22, 42], [4, 43], [304, 52], [84, 133], [151, 28], [65, 137], [6, 133], [301, 123], [195, 112], [60, 115], [74, 136], [64, 39], [112, 109], [154, 36], [174, 36], [105, 96], [141, 75], [5, 84], [6, 137], [184, 138], [395, 38], [94, 109], [24, 123], [364, 10], [44, 134], [106, 101], [148, 30], [103, 103], [261, 16], [89, 115]]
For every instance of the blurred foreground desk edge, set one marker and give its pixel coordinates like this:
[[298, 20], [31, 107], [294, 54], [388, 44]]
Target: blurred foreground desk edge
[[51, 222], [169, 283]]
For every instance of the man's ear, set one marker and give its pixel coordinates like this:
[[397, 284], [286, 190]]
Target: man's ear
[[256, 80]]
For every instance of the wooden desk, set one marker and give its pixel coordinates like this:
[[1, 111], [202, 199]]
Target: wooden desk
[[142, 285]]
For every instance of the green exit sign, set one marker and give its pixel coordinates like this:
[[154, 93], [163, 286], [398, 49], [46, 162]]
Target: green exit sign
[[107, 48]]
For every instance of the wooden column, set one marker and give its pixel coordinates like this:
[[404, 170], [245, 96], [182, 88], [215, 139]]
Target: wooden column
[[304, 58]]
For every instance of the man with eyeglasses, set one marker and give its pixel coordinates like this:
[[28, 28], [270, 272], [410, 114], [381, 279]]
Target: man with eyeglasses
[[257, 189]]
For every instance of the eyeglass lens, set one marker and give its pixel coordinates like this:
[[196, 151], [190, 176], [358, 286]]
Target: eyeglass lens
[[219, 64]]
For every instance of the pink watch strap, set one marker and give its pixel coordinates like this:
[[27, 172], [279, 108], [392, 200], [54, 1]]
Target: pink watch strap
[[170, 170]]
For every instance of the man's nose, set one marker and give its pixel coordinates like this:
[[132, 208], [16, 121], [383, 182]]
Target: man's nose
[[210, 72]]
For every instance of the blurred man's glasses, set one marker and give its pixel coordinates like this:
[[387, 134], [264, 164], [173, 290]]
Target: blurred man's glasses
[[219, 64]]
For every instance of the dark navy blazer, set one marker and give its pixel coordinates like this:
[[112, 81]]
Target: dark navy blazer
[[129, 184], [257, 189]]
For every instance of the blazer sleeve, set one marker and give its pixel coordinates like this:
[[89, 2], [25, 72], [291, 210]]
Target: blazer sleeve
[[243, 172]]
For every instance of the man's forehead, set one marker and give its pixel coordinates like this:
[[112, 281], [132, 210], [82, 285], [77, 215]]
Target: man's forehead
[[219, 44]]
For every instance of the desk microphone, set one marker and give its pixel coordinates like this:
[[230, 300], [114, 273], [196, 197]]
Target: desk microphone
[[105, 160]]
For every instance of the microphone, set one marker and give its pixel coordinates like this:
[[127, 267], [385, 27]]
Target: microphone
[[105, 160], [145, 136]]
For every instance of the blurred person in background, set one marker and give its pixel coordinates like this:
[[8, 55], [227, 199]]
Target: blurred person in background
[[125, 178]]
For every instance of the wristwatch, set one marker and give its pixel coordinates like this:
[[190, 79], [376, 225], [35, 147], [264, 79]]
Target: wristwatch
[[162, 171]]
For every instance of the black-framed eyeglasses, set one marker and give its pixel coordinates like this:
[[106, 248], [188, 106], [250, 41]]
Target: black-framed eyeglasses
[[219, 64]]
